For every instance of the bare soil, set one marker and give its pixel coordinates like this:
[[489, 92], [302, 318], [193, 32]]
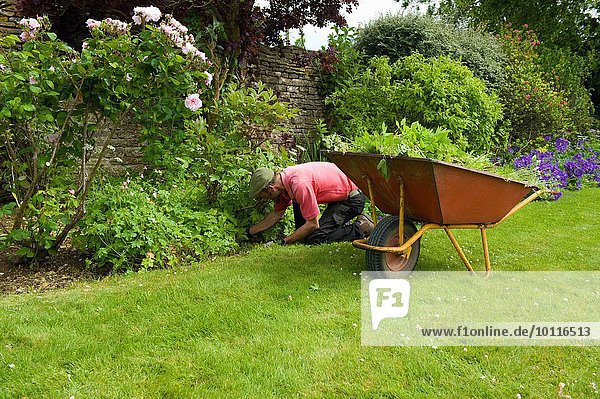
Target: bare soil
[[59, 271]]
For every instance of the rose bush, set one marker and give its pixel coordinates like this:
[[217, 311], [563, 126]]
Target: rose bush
[[55, 101]]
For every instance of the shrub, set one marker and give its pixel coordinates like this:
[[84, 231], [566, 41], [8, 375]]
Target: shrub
[[341, 63], [536, 103], [199, 206], [398, 36], [145, 222], [569, 71], [436, 92]]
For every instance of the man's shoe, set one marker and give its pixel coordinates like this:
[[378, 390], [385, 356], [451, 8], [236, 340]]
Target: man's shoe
[[365, 225]]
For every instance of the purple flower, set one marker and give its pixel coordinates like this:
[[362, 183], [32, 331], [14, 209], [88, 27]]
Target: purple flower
[[560, 169], [510, 150], [547, 138], [561, 144], [524, 161], [556, 195]]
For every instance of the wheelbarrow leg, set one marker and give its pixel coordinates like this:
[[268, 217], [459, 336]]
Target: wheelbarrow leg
[[458, 249], [486, 253], [372, 199], [401, 213]]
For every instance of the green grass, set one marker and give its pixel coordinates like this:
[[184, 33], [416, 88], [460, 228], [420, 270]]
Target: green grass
[[282, 322]]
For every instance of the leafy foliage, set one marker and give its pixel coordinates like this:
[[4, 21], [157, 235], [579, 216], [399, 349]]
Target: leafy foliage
[[436, 92], [310, 147], [244, 23], [198, 204], [572, 24], [398, 36], [135, 223], [414, 140], [341, 63]]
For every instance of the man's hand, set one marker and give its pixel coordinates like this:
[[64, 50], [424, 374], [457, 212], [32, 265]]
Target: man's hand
[[250, 238]]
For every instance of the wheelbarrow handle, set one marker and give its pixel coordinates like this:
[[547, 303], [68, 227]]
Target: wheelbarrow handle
[[532, 197]]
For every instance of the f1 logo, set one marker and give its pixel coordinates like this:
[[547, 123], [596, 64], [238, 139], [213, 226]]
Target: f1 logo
[[389, 298]]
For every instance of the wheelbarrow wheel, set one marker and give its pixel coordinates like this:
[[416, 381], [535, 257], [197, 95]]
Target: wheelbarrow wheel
[[386, 235]]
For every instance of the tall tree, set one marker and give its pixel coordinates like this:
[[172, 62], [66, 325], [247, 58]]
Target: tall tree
[[566, 23], [573, 25]]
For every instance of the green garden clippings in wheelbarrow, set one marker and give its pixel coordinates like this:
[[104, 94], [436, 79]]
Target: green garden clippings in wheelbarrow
[[440, 195]]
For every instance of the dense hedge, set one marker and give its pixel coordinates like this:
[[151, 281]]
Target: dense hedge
[[399, 36]]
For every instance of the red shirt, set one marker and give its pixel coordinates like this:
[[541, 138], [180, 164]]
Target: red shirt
[[311, 184]]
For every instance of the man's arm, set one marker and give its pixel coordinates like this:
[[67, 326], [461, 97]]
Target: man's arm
[[269, 221], [303, 231]]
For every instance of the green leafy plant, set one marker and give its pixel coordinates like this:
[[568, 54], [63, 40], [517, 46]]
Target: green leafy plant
[[412, 140], [536, 102], [417, 141], [436, 92], [310, 146], [135, 224]]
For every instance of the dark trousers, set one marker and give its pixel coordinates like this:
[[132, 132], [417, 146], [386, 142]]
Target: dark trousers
[[332, 224]]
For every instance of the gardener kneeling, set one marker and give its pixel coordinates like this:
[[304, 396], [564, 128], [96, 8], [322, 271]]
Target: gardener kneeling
[[306, 186]]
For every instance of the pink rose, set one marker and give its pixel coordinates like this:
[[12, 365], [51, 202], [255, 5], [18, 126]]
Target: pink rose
[[193, 102], [92, 24], [209, 78]]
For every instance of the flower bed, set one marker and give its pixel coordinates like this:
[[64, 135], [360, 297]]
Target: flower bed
[[562, 165]]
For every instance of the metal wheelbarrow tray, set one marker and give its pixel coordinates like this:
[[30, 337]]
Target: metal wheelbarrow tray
[[438, 194]]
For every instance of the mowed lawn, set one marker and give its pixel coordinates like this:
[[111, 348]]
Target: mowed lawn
[[284, 322]]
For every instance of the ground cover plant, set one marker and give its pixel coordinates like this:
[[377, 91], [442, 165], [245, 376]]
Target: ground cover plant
[[283, 322]]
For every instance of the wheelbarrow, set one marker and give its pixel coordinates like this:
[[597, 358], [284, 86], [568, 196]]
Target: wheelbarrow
[[437, 194]]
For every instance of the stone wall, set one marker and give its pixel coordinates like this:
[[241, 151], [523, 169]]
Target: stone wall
[[285, 70], [8, 18], [127, 152]]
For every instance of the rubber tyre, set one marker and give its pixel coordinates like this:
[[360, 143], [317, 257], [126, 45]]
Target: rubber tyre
[[386, 235]]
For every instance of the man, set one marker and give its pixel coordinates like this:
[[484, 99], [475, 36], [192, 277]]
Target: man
[[306, 186]]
